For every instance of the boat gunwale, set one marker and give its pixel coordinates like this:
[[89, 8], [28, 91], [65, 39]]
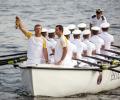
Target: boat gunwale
[[53, 68]]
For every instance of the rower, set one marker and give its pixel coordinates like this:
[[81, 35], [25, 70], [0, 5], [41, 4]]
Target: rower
[[72, 54], [90, 46], [37, 46], [51, 45], [81, 27], [81, 47], [95, 39], [108, 38], [62, 46], [91, 50], [71, 27], [44, 32], [98, 19]]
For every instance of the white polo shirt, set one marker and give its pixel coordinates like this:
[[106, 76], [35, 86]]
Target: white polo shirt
[[90, 47], [51, 43], [35, 50], [61, 43], [108, 39], [98, 42], [80, 47]]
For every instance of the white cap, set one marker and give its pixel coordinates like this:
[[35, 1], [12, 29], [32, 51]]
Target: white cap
[[51, 31], [76, 32], [44, 30], [82, 25], [95, 28], [105, 25], [86, 32], [71, 26], [66, 31]]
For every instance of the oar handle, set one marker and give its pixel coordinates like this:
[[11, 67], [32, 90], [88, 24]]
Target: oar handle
[[112, 51], [115, 46], [108, 56]]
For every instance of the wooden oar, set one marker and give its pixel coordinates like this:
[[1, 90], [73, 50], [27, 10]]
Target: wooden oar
[[104, 60], [115, 46], [103, 55], [112, 51], [103, 67], [112, 62], [13, 60], [16, 54]]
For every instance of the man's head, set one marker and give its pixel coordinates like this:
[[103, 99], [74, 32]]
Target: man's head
[[38, 30], [82, 26], [95, 30], [76, 34], [59, 30], [67, 33], [105, 26], [86, 34], [98, 13], [51, 33]]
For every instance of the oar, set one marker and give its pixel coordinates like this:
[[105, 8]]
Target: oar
[[16, 54], [116, 52], [13, 60], [103, 55], [112, 62], [104, 60], [100, 66], [115, 46]]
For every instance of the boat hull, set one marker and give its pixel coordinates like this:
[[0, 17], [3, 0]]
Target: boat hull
[[55, 81]]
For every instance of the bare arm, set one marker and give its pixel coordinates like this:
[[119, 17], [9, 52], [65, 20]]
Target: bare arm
[[63, 55], [45, 53]]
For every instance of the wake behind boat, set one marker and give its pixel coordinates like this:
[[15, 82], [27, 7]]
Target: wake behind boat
[[58, 81]]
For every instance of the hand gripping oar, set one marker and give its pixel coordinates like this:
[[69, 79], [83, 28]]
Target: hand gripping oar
[[10, 55], [103, 67], [112, 51], [103, 55], [13, 60], [115, 46]]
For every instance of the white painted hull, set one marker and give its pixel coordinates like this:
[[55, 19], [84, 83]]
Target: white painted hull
[[51, 80]]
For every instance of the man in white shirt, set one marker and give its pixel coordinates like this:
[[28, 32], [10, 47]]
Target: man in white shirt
[[51, 45], [62, 46], [71, 27], [81, 47], [72, 50], [98, 19], [91, 49], [108, 38], [81, 27], [95, 39], [37, 46], [90, 46]]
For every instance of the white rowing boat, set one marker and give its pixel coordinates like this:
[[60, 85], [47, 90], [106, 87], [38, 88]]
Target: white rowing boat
[[56, 81]]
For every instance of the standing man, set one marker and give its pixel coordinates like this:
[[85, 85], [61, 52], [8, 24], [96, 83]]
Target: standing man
[[98, 19], [37, 49], [61, 48]]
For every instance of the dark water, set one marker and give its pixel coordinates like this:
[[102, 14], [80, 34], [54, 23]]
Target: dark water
[[48, 13]]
